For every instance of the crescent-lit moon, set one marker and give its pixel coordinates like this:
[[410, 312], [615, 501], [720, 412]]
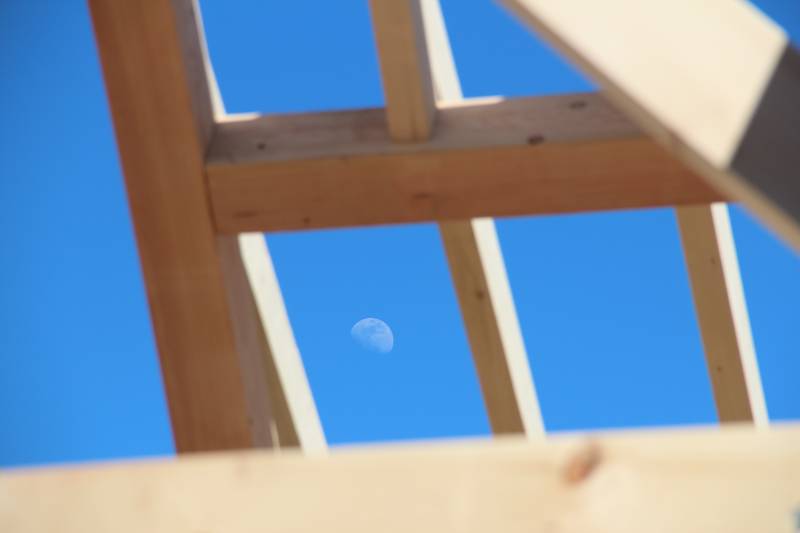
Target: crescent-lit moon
[[373, 334]]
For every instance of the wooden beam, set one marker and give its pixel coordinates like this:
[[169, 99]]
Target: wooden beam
[[489, 157], [735, 480], [275, 373], [407, 85], [722, 313], [152, 58], [487, 307], [479, 276], [723, 93], [294, 410]]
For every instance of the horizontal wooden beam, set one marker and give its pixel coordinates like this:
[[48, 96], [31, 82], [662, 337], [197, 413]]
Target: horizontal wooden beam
[[488, 157], [733, 480]]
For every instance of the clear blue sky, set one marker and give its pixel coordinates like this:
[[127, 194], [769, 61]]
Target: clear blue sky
[[603, 299]]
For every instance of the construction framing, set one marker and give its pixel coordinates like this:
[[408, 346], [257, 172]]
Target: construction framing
[[203, 185]]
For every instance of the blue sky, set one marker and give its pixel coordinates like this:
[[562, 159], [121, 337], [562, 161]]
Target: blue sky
[[603, 299]]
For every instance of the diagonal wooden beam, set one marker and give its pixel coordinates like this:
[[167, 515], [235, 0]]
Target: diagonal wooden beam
[[488, 157], [694, 481], [404, 30], [490, 318], [205, 322], [294, 410], [715, 82], [719, 301]]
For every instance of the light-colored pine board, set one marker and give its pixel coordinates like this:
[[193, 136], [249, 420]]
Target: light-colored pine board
[[251, 347], [294, 409], [489, 157], [691, 73], [694, 481], [490, 319], [719, 299], [275, 374], [444, 74], [152, 58], [480, 280], [698, 85], [407, 85]]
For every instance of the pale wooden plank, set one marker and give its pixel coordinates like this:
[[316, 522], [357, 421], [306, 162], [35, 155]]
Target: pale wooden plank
[[490, 157], [479, 277], [487, 307], [152, 58], [698, 86], [722, 313], [275, 374], [407, 85], [253, 354], [735, 480], [696, 90], [294, 409], [446, 84]]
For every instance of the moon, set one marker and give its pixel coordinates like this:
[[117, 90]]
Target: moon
[[373, 334]]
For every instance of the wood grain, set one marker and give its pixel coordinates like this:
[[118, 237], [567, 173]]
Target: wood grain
[[487, 307], [735, 480], [152, 58], [699, 85], [407, 85], [491, 157], [722, 315], [294, 410]]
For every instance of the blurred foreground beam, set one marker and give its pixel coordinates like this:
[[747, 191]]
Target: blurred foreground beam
[[722, 94], [735, 480]]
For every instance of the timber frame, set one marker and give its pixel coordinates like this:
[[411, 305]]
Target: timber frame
[[203, 186]]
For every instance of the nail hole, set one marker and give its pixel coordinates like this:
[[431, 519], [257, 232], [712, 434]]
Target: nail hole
[[577, 104], [535, 139]]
